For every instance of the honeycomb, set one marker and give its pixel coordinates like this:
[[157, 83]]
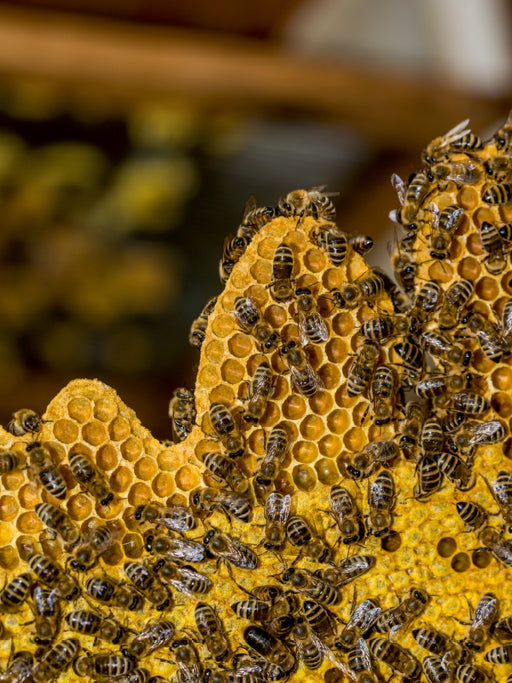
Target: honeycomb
[[337, 503]]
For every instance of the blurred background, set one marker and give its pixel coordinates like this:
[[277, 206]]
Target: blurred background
[[132, 134]]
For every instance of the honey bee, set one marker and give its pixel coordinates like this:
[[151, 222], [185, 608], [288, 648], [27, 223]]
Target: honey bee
[[469, 403], [250, 319], [148, 585], [253, 609], [224, 547], [495, 260], [466, 673], [415, 415], [254, 218], [489, 336], [281, 284], [97, 541], [261, 387], [458, 137], [381, 499], [89, 478], [49, 573], [304, 378], [432, 437], [103, 665], [47, 473], [46, 613], [232, 250], [399, 660], [185, 579], [472, 515], [501, 489], [497, 194], [269, 647], [319, 618], [410, 195], [174, 517], [429, 478], [364, 462], [405, 271], [93, 624], [347, 515], [479, 434], [434, 641], [498, 546], [277, 511], [365, 289], [499, 655], [11, 462], [410, 359], [275, 452], [19, 669], [360, 243], [56, 519], [360, 622], [486, 613], [456, 298], [311, 202], [312, 327], [212, 631], [349, 569], [180, 549], [189, 665], [502, 630], [310, 647], [225, 427], [437, 385], [362, 369], [459, 172], [502, 137], [24, 421], [449, 353], [360, 663], [299, 534], [383, 393], [395, 618], [56, 660], [104, 590], [198, 328], [204, 501], [383, 327], [333, 241], [435, 670], [427, 300], [152, 637], [304, 582], [225, 470], [14, 593], [182, 411], [456, 470]]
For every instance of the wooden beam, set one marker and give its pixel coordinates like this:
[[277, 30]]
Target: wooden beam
[[123, 64]]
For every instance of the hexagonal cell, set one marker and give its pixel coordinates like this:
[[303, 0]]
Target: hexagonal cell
[[80, 409]]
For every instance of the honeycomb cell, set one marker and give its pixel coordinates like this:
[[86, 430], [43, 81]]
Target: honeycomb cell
[[271, 415], [354, 439], [327, 471], [222, 325], [502, 378], [502, 404], [8, 508], [28, 496], [305, 451], [267, 247], [232, 371], [119, 428], [240, 345], [94, 433], [256, 442], [120, 479], [214, 351], [338, 421], [27, 523], [336, 350], [145, 468], [314, 260], [258, 293], [469, 268], [304, 477], [13, 481], [113, 555], [481, 558], [133, 545], [468, 197], [106, 457], [392, 542], [312, 427], [487, 289], [276, 316], [474, 244], [330, 376], [440, 271], [105, 409], [332, 279], [65, 431], [330, 445], [80, 409], [8, 557], [446, 546], [321, 403], [482, 215], [80, 507], [163, 484], [187, 477], [460, 562], [139, 494], [294, 407], [261, 271], [222, 394], [131, 449]]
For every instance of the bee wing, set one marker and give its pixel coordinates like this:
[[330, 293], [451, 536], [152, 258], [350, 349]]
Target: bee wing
[[399, 187], [237, 555], [277, 507], [364, 653], [250, 205], [488, 432], [364, 615], [298, 377], [192, 575], [455, 133], [464, 174], [186, 550], [317, 188]]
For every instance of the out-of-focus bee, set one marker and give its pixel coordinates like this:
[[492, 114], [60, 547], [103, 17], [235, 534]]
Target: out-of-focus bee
[[456, 298], [501, 489], [205, 500], [148, 585], [395, 618], [152, 637], [409, 357], [49, 573], [261, 387], [182, 411], [405, 270], [312, 327], [185, 579], [228, 549], [502, 137], [19, 669], [383, 393], [429, 478], [254, 218], [14, 593], [92, 624], [381, 499], [489, 336], [346, 514], [486, 613], [467, 673], [415, 415], [383, 327], [410, 195], [97, 541], [469, 403], [498, 546], [304, 378], [499, 655], [89, 478], [251, 320], [281, 284], [427, 300], [56, 519], [103, 589], [46, 613], [360, 243], [187, 660], [456, 470], [506, 321], [492, 243], [477, 434], [198, 328], [232, 250], [399, 660], [56, 660], [360, 663], [472, 515], [11, 462], [24, 421], [459, 172], [212, 631], [103, 665], [180, 549], [458, 137], [310, 648], [360, 622], [225, 470], [449, 353], [362, 369], [47, 473], [308, 584], [347, 570], [174, 517], [502, 630], [497, 194], [226, 429], [311, 202], [375, 453], [365, 289], [300, 534], [277, 511], [275, 452], [332, 240], [435, 670], [269, 647], [505, 231]]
